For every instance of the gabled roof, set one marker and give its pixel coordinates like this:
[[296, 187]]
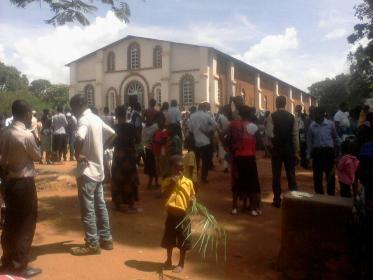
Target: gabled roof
[[129, 37]]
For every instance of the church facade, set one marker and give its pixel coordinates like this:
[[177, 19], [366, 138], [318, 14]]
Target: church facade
[[136, 69]]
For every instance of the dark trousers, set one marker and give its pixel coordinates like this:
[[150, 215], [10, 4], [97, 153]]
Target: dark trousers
[[204, 154], [20, 222], [303, 155], [59, 146], [345, 190], [323, 162], [287, 158]]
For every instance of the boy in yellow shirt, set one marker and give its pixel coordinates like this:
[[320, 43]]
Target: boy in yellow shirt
[[179, 192]]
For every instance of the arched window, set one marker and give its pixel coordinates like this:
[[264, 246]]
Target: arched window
[[134, 56], [111, 101], [220, 92], [111, 62], [187, 90], [157, 57], [158, 95], [89, 92]]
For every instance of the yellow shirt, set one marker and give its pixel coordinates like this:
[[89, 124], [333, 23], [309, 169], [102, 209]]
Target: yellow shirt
[[190, 161], [181, 190]]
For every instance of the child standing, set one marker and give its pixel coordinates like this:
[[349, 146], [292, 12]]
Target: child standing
[[179, 192], [347, 167]]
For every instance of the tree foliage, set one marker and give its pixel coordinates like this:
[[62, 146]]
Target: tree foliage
[[41, 94], [38, 87], [56, 95], [331, 92], [11, 79], [67, 11], [361, 83], [7, 98]]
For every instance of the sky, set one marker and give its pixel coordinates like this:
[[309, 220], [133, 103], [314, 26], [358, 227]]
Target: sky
[[298, 41]]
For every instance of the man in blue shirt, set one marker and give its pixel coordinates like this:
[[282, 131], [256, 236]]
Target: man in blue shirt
[[175, 116], [322, 141], [203, 126]]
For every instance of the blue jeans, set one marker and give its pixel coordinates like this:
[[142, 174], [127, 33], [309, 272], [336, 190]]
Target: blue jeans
[[93, 211]]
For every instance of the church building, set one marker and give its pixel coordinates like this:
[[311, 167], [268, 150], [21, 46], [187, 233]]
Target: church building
[[136, 69]]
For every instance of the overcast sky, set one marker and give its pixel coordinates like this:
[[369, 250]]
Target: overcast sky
[[299, 41]]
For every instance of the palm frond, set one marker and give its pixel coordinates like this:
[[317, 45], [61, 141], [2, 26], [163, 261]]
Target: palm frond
[[122, 12], [211, 235]]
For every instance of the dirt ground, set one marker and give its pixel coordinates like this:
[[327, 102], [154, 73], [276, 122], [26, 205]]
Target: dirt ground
[[252, 246]]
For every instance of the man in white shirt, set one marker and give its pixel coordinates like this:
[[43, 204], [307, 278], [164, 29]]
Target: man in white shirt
[[18, 151], [91, 136], [203, 126], [8, 121], [342, 120], [59, 142]]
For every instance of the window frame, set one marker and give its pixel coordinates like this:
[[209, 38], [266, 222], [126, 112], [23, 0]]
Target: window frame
[[111, 61], [157, 57], [220, 92], [130, 63], [90, 95], [158, 94], [187, 78]]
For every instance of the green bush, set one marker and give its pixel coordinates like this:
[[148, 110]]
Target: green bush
[[7, 98]]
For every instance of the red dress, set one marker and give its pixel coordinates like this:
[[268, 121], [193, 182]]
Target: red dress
[[244, 173]]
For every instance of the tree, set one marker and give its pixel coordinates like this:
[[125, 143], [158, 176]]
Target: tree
[[362, 59], [331, 92], [7, 98], [38, 87], [66, 11], [359, 89], [11, 79], [56, 95]]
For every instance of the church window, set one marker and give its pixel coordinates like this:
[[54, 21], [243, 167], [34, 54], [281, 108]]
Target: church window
[[157, 57], [187, 90], [134, 56], [158, 95], [111, 62], [220, 92], [89, 92]]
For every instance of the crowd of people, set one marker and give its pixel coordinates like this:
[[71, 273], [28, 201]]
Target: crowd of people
[[177, 151]]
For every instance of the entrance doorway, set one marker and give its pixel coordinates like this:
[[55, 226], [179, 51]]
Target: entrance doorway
[[134, 93]]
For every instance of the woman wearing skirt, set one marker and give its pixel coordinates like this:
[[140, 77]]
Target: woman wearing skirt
[[244, 173], [125, 179]]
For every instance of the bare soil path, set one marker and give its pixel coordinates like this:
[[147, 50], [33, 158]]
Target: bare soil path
[[252, 248]]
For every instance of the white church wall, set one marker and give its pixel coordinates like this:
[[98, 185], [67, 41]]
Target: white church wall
[[184, 57], [86, 69]]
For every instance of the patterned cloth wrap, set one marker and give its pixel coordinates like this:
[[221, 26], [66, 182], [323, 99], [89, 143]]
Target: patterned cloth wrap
[[108, 158]]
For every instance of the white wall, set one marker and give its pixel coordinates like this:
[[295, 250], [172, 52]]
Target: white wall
[[177, 60], [86, 69]]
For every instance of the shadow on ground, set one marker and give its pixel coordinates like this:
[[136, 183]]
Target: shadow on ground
[[253, 242], [51, 248], [156, 267]]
